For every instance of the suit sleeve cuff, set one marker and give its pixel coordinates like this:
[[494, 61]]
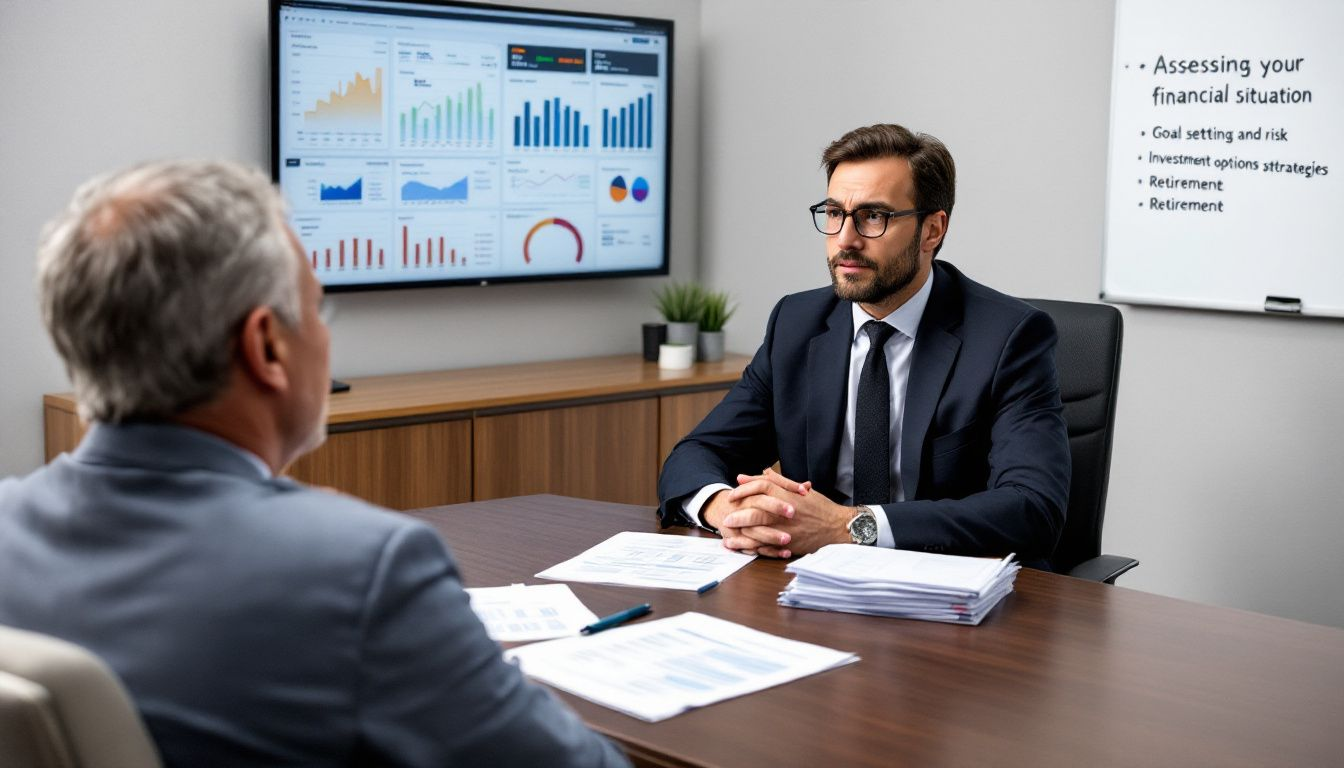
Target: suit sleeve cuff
[[694, 505], [885, 538]]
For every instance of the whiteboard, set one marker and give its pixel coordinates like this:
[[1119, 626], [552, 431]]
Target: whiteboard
[[1225, 180]]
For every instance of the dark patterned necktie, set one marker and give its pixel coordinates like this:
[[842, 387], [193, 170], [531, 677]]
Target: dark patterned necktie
[[872, 420]]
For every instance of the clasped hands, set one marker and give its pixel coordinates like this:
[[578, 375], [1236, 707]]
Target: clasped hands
[[770, 515]]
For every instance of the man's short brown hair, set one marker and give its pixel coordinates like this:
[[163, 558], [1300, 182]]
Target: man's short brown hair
[[931, 166]]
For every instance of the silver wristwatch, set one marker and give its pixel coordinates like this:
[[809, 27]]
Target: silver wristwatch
[[863, 527]]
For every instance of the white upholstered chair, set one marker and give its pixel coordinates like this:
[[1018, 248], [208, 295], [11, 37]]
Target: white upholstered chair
[[62, 707]]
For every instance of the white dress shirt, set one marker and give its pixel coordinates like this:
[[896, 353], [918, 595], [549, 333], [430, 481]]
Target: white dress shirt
[[899, 348]]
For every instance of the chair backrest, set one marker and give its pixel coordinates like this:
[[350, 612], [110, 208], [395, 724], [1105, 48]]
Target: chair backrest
[[61, 707], [1088, 359]]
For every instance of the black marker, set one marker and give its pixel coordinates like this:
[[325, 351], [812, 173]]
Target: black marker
[[1288, 305]]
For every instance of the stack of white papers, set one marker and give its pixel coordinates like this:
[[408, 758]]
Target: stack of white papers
[[651, 560], [895, 582], [656, 669]]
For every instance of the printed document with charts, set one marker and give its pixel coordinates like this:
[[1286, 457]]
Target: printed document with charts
[[519, 613], [656, 669], [657, 560], [894, 582]]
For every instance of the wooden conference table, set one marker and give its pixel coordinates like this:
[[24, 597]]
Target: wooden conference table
[[1063, 672]]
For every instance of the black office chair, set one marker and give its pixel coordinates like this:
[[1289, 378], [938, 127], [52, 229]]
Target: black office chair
[[1088, 359]]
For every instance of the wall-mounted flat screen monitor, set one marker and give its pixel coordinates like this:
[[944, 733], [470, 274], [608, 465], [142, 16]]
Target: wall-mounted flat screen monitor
[[425, 143]]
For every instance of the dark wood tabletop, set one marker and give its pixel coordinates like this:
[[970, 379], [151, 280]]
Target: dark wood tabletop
[[1062, 672]]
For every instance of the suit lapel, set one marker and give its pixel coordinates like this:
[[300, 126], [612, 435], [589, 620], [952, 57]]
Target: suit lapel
[[827, 383], [936, 347]]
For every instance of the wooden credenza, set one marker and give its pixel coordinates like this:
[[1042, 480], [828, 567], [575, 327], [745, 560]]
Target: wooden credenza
[[596, 428]]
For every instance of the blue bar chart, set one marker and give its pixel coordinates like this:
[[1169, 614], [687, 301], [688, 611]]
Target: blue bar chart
[[552, 124], [630, 127]]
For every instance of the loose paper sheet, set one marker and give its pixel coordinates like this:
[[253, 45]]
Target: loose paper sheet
[[517, 613], [656, 669], [651, 560]]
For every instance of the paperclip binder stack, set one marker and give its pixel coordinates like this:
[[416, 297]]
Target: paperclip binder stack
[[892, 582]]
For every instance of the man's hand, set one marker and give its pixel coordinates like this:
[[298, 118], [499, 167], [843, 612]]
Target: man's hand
[[762, 539], [772, 515]]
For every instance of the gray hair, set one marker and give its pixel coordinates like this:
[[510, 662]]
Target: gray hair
[[147, 274]]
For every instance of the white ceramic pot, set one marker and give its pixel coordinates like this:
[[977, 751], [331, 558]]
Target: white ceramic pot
[[676, 357]]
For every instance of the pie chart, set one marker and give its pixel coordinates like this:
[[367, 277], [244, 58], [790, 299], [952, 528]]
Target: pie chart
[[639, 189], [618, 190]]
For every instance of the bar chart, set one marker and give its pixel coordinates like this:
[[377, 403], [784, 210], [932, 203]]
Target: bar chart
[[461, 119], [343, 243], [347, 254], [630, 126], [447, 255], [552, 123], [446, 95], [446, 243]]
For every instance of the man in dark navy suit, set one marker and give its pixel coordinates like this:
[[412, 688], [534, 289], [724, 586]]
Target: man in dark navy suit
[[907, 405]]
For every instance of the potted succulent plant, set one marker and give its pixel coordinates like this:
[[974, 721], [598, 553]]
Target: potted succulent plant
[[714, 314], [680, 305]]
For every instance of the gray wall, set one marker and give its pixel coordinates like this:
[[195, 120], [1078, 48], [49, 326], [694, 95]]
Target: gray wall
[[90, 86], [1228, 468]]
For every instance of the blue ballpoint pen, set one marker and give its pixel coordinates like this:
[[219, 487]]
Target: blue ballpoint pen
[[617, 618]]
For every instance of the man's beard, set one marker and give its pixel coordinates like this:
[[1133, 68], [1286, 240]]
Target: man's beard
[[887, 280]]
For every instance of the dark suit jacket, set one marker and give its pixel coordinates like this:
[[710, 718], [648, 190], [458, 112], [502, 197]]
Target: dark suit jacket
[[258, 622], [984, 449]]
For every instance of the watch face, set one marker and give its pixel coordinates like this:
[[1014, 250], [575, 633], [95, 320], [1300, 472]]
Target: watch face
[[863, 529]]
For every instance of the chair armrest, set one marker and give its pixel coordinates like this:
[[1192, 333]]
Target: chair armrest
[[1104, 568]]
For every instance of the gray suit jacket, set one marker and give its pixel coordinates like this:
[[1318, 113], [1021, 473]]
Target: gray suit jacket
[[259, 622]]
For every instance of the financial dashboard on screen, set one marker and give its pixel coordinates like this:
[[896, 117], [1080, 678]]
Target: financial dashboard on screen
[[441, 143]]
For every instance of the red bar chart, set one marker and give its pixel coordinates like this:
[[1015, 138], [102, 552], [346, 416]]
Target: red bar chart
[[447, 244], [444, 256], [353, 253]]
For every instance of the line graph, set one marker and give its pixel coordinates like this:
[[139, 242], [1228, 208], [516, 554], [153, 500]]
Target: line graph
[[551, 180]]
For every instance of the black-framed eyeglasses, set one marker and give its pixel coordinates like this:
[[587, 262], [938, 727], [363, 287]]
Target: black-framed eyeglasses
[[868, 222]]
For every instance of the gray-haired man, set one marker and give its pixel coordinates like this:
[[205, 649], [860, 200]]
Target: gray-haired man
[[255, 621]]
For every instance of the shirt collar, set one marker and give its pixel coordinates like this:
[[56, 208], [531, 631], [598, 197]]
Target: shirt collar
[[166, 445], [252, 458], [906, 317]]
